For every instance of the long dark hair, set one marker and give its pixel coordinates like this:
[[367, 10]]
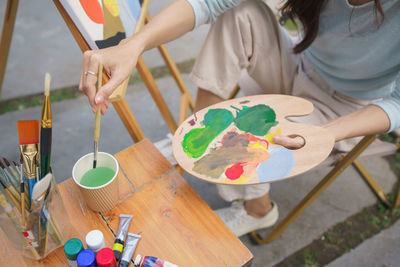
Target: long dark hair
[[308, 12]]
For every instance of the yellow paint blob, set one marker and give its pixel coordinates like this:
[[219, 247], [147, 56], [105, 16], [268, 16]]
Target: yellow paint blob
[[269, 136], [112, 6], [241, 180], [258, 144]]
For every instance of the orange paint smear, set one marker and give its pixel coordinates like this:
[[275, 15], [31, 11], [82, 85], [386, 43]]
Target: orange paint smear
[[93, 10], [252, 138], [244, 170]]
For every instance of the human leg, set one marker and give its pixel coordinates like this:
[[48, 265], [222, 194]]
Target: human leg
[[251, 208], [258, 207], [205, 98], [245, 38]]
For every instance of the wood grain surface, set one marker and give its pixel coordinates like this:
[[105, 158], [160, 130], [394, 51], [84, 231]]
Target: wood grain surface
[[175, 223], [318, 141]]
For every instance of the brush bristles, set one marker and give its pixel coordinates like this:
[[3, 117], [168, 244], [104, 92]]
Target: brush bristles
[[6, 162], [28, 132], [47, 79]]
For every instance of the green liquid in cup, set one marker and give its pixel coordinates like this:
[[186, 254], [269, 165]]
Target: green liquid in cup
[[97, 177]]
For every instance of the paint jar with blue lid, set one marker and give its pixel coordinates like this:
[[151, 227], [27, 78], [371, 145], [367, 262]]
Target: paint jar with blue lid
[[86, 258], [72, 249]]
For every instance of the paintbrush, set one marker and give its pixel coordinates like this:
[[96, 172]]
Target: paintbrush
[[23, 186], [22, 192], [12, 197], [16, 165], [28, 132], [9, 177], [39, 195], [10, 188], [98, 117], [45, 130], [14, 173]]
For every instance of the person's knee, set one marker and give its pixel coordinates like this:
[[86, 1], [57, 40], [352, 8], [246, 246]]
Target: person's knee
[[205, 98]]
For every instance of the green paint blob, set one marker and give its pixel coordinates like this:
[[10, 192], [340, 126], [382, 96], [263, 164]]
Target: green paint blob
[[256, 120], [97, 177], [196, 141]]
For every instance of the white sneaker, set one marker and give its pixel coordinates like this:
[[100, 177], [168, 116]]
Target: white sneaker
[[240, 223]]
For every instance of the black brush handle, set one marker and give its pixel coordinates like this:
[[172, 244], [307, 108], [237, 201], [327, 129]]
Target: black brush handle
[[45, 151]]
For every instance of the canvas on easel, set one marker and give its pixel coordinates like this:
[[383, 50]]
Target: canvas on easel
[[104, 23]]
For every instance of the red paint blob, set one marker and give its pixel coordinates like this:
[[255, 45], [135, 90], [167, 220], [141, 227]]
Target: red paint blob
[[235, 171]]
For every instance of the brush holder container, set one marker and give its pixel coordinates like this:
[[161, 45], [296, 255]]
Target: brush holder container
[[46, 226]]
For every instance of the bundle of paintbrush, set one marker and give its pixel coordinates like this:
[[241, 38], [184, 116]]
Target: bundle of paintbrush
[[37, 227], [27, 187]]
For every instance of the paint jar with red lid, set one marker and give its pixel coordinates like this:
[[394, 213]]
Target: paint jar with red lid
[[105, 258]]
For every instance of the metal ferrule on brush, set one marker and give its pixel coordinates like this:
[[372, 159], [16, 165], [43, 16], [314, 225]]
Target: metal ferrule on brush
[[46, 113], [30, 155]]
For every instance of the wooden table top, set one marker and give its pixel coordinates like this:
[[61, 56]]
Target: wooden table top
[[173, 220]]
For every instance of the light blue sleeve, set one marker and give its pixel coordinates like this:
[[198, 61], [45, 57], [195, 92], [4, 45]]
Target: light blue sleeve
[[391, 105], [207, 11]]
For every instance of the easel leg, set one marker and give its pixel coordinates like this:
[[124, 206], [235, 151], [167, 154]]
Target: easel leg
[[183, 112], [396, 203], [371, 182], [174, 70], [155, 93], [315, 192], [129, 120], [6, 35], [176, 74]]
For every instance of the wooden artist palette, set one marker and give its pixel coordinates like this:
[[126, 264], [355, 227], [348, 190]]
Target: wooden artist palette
[[231, 142]]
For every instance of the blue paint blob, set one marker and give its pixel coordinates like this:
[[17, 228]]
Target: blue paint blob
[[134, 8], [277, 166]]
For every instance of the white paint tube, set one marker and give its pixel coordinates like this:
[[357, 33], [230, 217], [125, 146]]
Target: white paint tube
[[130, 246]]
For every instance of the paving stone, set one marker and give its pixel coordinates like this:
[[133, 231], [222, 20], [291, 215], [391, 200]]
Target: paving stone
[[380, 250]]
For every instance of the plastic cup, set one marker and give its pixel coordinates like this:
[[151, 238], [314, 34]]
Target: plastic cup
[[104, 197]]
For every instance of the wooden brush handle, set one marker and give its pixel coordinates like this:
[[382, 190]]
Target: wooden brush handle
[[98, 112], [97, 124]]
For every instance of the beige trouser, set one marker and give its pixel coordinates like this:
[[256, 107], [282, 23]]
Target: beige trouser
[[247, 42]]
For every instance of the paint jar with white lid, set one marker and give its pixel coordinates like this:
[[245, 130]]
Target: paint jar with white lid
[[95, 241]]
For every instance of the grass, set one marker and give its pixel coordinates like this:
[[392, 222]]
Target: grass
[[71, 92], [309, 258]]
